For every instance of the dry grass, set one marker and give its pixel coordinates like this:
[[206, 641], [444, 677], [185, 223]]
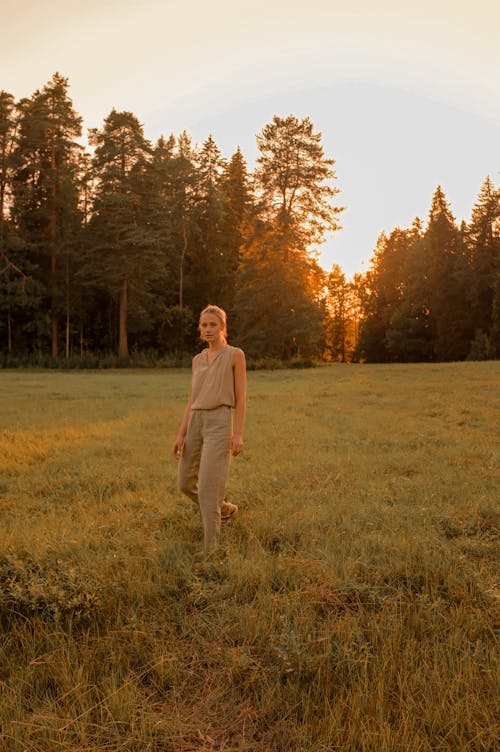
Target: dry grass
[[352, 605]]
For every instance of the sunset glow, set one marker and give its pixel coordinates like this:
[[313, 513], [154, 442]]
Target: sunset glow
[[405, 94]]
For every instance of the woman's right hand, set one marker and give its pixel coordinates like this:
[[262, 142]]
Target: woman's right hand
[[179, 442], [177, 447]]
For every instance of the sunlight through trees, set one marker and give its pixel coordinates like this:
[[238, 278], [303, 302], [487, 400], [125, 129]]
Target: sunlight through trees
[[126, 242]]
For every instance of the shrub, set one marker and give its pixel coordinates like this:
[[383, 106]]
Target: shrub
[[481, 348]]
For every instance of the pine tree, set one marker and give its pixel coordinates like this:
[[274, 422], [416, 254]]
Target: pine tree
[[293, 181], [235, 227], [45, 194], [123, 255], [410, 330], [280, 284], [207, 272], [178, 191], [174, 168], [443, 255], [482, 237], [381, 294], [342, 316], [10, 273], [8, 128], [278, 309], [495, 318]]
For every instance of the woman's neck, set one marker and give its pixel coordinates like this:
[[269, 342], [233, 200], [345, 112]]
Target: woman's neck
[[217, 344]]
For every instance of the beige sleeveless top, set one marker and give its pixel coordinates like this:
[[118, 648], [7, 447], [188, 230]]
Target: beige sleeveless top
[[212, 385]]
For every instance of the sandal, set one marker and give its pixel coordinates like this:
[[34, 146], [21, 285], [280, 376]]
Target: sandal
[[227, 510]]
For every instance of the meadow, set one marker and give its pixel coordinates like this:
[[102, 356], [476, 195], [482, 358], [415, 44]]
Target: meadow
[[352, 605]]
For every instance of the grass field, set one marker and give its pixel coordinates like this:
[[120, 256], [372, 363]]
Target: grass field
[[352, 605]]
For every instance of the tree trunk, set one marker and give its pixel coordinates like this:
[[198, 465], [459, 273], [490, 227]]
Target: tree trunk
[[54, 326], [67, 335], [9, 331], [67, 310], [122, 336], [53, 251], [53, 306], [181, 263]]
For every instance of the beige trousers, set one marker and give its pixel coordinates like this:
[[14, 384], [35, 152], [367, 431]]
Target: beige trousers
[[204, 465]]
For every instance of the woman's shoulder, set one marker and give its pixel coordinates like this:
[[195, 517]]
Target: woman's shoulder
[[237, 353], [199, 356]]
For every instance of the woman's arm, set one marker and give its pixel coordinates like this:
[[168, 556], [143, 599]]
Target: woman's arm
[[179, 441], [240, 393]]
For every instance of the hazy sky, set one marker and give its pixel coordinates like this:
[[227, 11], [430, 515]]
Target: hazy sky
[[406, 94]]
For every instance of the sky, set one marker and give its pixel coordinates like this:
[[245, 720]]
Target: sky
[[405, 94]]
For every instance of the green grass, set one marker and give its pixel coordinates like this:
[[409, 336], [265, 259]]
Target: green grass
[[352, 605]]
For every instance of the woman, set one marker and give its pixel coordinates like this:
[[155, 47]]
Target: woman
[[206, 438]]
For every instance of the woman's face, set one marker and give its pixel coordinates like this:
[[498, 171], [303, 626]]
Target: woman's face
[[210, 328]]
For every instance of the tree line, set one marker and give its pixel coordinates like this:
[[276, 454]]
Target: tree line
[[117, 247], [433, 293]]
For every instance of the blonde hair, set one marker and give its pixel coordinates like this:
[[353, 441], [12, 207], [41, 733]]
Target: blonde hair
[[219, 313]]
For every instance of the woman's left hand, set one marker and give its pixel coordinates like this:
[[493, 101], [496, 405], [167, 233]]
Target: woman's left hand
[[236, 444]]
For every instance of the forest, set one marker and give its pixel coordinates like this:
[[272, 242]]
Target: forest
[[111, 250]]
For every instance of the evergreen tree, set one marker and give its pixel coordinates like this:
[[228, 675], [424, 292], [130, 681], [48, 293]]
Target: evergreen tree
[[9, 270], [410, 329], [415, 294], [278, 311], [236, 223], [381, 294], [45, 194], [293, 181], [174, 167], [279, 267], [123, 254], [178, 191], [164, 291], [206, 262], [443, 254], [482, 237], [395, 296], [18, 290], [495, 318], [8, 128], [409, 336], [341, 318]]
